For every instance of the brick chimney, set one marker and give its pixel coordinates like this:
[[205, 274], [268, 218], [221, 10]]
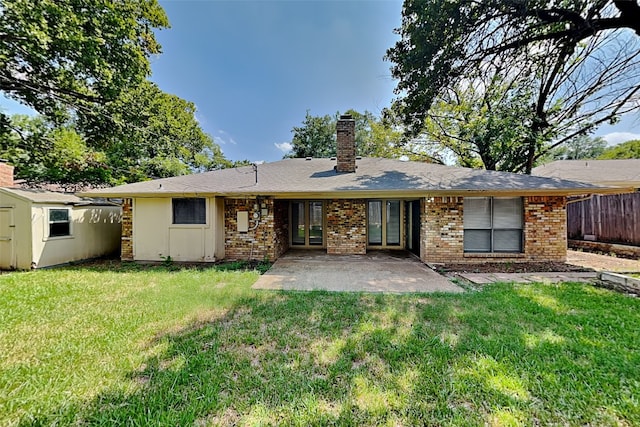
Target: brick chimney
[[346, 144], [6, 174]]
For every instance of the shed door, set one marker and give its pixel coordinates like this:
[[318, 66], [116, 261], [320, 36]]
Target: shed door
[[7, 239]]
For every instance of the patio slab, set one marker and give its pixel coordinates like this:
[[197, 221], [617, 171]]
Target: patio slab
[[377, 271]]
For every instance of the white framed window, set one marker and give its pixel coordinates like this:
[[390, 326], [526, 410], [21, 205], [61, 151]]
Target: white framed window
[[59, 222], [189, 210], [493, 224]]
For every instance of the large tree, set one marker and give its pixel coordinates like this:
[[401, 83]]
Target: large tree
[[578, 61], [148, 133], [145, 134], [62, 54], [375, 137], [626, 150], [44, 152]]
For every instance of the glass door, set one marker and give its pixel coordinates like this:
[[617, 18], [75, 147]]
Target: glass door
[[384, 223], [307, 223]]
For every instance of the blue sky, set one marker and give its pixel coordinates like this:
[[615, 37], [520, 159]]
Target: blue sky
[[253, 68]]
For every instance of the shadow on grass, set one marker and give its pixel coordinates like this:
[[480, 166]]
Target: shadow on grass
[[507, 355]]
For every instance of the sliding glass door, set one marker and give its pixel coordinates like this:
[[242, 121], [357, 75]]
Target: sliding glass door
[[307, 223], [384, 223]]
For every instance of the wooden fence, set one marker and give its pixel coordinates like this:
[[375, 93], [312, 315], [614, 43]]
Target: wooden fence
[[614, 219]]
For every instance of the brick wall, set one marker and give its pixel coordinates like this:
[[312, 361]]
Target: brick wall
[[545, 234], [6, 175], [126, 239], [268, 240], [346, 144], [442, 232], [280, 227], [346, 227]]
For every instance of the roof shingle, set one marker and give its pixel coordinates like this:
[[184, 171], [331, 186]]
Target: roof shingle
[[300, 177]]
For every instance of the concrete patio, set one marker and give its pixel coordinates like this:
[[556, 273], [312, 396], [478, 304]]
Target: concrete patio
[[377, 271]]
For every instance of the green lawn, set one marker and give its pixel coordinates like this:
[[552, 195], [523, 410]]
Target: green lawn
[[199, 347]]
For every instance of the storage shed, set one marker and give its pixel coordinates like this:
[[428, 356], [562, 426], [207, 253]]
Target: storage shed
[[41, 228]]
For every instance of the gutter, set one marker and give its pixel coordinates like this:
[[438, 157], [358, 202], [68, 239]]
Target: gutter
[[582, 199]]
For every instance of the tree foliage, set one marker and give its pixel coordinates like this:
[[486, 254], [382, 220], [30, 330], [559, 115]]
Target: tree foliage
[[375, 137], [580, 147], [149, 133], [576, 64], [62, 54], [83, 66], [145, 134], [41, 151], [626, 150]]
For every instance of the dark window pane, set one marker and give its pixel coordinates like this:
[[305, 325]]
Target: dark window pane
[[477, 240], [57, 229], [189, 211], [59, 215], [315, 223], [375, 222], [297, 221], [393, 222], [507, 240]]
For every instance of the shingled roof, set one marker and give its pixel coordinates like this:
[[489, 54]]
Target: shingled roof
[[374, 177], [49, 197], [625, 173]]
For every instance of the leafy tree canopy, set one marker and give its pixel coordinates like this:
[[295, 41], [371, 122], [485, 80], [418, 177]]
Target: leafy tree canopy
[[375, 137], [41, 151], [57, 54], [580, 147], [566, 66], [145, 134], [626, 150]]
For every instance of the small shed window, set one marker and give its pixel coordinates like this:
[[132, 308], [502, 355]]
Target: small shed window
[[59, 223], [493, 224], [189, 211]]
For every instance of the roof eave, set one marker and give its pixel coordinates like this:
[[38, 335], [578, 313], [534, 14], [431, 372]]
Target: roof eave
[[372, 193]]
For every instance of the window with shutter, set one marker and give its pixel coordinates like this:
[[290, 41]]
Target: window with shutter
[[493, 224]]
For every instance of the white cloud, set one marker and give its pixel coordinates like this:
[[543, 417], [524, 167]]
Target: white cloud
[[615, 138], [223, 138], [285, 147]]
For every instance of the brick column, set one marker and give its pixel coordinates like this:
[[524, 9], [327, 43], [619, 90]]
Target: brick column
[[126, 239], [545, 229], [347, 227], [441, 229]]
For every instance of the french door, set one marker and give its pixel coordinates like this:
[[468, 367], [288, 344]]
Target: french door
[[384, 223], [307, 223]]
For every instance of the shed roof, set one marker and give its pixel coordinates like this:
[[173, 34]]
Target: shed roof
[[51, 197], [625, 173], [374, 177]]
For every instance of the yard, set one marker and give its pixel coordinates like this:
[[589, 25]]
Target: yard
[[127, 345]]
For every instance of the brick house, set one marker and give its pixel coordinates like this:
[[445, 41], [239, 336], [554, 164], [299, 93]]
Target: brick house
[[347, 205]]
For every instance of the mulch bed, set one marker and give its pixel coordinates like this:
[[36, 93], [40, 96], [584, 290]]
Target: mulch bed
[[497, 267]]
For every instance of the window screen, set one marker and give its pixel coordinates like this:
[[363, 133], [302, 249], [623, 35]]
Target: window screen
[[189, 211], [59, 223], [493, 224]]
